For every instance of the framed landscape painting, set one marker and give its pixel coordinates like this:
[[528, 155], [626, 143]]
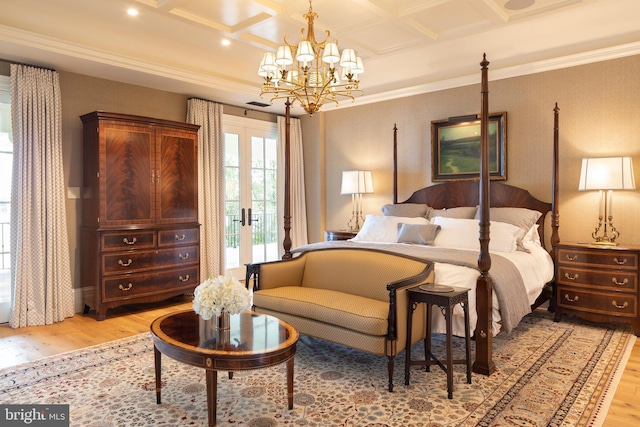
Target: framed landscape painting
[[455, 148]]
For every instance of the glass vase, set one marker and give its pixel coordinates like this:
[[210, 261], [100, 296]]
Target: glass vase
[[223, 321]]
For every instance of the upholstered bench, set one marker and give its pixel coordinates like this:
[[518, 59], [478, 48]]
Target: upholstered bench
[[351, 296]]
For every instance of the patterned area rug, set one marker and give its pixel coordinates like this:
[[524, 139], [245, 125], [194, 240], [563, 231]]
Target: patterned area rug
[[548, 374]]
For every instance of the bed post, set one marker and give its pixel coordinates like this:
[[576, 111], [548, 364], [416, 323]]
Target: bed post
[[287, 192], [483, 363], [395, 164], [555, 218]]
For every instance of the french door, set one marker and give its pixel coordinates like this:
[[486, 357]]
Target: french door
[[251, 169]]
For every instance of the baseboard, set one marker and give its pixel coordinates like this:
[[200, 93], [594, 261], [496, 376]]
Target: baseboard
[[82, 295]]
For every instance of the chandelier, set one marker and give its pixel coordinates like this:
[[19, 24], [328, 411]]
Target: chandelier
[[312, 78]]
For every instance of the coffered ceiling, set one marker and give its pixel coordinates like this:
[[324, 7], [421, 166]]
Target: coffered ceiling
[[408, 46]]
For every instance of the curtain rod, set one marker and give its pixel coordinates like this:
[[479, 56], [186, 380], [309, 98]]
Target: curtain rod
[[31, 65]]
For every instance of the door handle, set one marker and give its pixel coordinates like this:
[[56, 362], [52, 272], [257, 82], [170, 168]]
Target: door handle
[[242, 218]]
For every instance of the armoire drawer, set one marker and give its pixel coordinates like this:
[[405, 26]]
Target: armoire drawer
[[178, 236], [127, 240], [146, 284], [135, 261]]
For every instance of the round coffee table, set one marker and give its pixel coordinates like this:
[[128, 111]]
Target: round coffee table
[[253, 341]]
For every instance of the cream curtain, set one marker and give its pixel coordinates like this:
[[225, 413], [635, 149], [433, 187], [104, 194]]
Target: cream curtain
[[41, 285], [208, 115], [298, 201]]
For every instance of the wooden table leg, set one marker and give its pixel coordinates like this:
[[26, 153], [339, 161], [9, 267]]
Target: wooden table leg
[[449, 354], [157, 356], [467, 339], [427, 339], [407, 359], [290, 383], [212, 395]]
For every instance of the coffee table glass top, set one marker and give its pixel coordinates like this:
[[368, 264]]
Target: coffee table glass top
[[250, 332]]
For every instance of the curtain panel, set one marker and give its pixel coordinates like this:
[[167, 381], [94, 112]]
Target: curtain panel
[[41, 284], [208, 115]]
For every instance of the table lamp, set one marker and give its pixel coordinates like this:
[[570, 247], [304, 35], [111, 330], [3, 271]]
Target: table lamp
[[606, 174], [356, 183]]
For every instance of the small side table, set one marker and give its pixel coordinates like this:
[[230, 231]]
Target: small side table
[[330, 235], [446, 301]]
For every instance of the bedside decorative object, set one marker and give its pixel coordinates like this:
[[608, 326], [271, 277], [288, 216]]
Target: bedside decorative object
[[598, 283], [356, 183], [220, 297], [606, 173], [331, 235]]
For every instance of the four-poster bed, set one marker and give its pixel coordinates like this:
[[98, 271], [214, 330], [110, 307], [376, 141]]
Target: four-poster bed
[[485, 196]]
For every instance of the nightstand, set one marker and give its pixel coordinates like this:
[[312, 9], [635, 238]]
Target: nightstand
[[598, 283], [330, 235]]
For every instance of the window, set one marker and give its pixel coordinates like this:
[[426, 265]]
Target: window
[[6, 160]]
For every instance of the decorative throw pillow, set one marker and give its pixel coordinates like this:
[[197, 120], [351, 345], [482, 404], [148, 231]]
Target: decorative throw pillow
[[384, 229], [521, 217], [409, 210], [463, 234], [463, 212], [421, 234]]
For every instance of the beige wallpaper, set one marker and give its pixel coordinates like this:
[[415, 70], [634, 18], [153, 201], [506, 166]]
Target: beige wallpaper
[[599, 109]]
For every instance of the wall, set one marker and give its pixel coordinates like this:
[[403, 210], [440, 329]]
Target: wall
[[599, 109]]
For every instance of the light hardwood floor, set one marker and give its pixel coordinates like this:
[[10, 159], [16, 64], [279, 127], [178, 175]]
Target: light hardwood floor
[[31, 343]]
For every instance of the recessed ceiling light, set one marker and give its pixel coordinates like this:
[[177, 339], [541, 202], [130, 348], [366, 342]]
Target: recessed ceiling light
[[132, 12], [225, 42]]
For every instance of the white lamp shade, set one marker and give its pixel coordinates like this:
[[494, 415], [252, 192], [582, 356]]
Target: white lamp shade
[[607, 173], [331, 54], [305, 52], [348, 58], [268, 62], [356, 182], [284, 56]]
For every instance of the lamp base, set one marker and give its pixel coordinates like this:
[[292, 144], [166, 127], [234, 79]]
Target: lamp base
[[604, 243]]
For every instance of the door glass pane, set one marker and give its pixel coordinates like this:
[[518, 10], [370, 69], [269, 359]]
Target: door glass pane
[[250, 174], [232, 200]]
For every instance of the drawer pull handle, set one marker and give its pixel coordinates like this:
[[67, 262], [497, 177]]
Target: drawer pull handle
[[623, 262], [132, 242], [184, 279], [624, 282], [180, 238], [129, 263], [122, 288], [566, 296], [574, 277], [571, 257], [616, 305], [185, 256]]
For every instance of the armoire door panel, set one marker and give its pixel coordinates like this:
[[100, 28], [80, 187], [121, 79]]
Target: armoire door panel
[[176, 177], [128, 176]]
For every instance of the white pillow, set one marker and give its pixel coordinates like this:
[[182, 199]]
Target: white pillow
[[463, 234], [384, 229]]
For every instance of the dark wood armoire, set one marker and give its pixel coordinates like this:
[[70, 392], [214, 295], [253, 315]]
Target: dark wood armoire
[[140, 236]]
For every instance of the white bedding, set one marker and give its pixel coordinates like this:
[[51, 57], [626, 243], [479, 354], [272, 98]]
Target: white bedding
[[536, 269]]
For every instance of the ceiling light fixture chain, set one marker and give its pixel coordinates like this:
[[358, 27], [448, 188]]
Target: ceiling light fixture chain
[[312, 78]]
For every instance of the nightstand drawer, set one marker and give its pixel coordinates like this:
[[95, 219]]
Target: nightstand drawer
[[607, 279], [611, 304], [601, 258]]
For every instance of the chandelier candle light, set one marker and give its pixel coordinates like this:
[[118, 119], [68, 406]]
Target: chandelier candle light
[[606, 174], [313, 77], [356, 183]]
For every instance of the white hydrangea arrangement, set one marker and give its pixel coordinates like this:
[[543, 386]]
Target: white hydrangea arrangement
[[221, 293]]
